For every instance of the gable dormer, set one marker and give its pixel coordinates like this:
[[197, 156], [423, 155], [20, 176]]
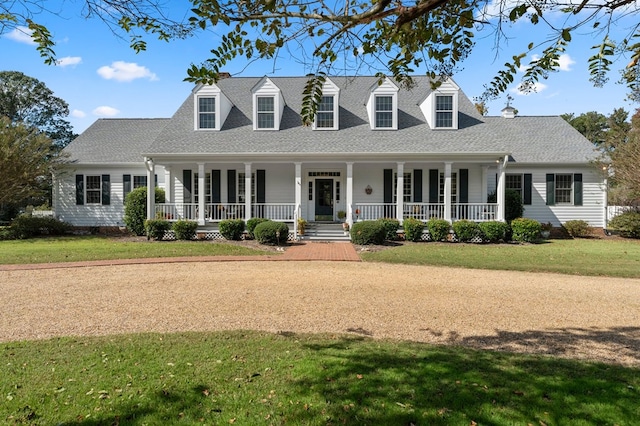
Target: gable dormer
[[382, 106], [268, 105], [210, 107], [327, 117], [440, 108]]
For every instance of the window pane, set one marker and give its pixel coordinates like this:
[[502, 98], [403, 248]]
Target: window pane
[[139, 181], [444, 119], [326, 104], [563, 188], [324, 115], [207, 113], [93, 192], [207, 121], [384, 111], [514, 183], [444, 103], [265, 120], [265, 104], [207, 104], [444, 111]]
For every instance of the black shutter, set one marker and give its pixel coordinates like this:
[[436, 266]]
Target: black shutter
[[155, 181], [261, 186], [417, 185], [463, 197], [216, 190], [144, 181], [551, 189], [231, 186], [80, 190], [526, 191], [106, 190], [388, 186], [126, 185], [577, 189], [186, 183], [434, 187]]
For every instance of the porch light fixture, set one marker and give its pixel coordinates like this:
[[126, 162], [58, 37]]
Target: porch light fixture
[[368, 190]]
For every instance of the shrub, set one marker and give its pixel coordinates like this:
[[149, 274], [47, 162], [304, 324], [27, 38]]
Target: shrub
[[271, 232], [627, 224], [25, 226], [438, 229], [513, 207], [232, 229], [156, 228], [368, 232], [525, 230], [185, 229], [135, 209], [413, 229], [391, 227], [252, 223], [494, 231], [577, 228], [6, 233], [465, 230]]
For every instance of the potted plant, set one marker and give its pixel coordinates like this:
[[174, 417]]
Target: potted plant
[[545, 229], [301, 225], [342, 215]]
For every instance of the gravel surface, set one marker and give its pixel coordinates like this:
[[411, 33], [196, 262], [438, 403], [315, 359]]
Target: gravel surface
[[575, 317]]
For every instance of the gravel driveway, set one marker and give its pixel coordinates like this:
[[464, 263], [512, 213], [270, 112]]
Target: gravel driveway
[[577, 317]]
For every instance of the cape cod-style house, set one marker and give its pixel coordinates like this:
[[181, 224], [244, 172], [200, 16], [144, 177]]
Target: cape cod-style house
[[237, 149]]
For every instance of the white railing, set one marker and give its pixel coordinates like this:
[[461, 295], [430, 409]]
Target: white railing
[[372, 211], [423, 211], [280, 212], [224, 211], [172, 211], [477, 212], [283, 212]]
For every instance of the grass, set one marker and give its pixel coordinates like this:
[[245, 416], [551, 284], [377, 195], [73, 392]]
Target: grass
[[71, 249], [251, 378], [615, 258]]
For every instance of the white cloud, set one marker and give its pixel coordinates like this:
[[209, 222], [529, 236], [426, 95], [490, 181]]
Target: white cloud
[[78, 113], [106, 111], [537, 88], [125, 71], [69, 61], [565, 62], [21, 35]]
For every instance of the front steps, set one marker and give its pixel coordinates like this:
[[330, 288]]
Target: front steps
[[325, 231]]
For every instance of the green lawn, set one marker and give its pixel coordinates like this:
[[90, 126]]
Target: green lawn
[[253, 378], [616, 258], [70, 249]]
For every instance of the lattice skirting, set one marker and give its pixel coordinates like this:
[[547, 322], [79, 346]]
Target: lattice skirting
[[212, 235], [452, 237]]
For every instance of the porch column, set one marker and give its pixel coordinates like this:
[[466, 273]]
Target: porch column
[[168, 185], [202, 192], [349, 195], [400, 192], [483, 183], [447, 191], [248, 191], [151, 188], [500, 190], [298, 190]]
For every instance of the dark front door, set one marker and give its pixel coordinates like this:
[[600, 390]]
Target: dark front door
[[324, 199]]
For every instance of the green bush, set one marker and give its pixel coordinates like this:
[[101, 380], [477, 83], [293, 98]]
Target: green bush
[[412, 229], [25, 226], [185, 229], [577, 228], [438, 229], [627, 224], [368, 232], [494, 231], [156, 228], [232, 229], [271, 232], [252, 223], [391, 227], [6, 233], [135, 209], [513, 207], [525, 230], [465, 230]]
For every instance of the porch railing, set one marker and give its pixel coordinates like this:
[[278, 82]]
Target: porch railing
[[172, 212], [372, 211], [283, 212], [423, 211], [477, 212]]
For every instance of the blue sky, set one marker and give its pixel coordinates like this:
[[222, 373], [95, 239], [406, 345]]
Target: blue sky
[[100, 76]]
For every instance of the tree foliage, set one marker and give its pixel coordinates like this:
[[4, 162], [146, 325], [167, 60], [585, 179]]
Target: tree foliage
[[395, 37], [26, 100], [625, 162]]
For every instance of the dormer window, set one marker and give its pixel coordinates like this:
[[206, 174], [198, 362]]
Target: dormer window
[[268, 105], [210, 108], [384, 112], [444, 111], [206, 113], [382, 106], [440, 107], [266, 112], [325, 113]]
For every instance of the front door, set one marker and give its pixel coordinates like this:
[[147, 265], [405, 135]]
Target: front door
[[324, 199]]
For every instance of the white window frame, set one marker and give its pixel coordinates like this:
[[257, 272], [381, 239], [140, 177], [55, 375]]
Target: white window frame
[[385, 89], [92, 191], [200, 113], [207, 187], [333, 111], [407, 188], [567, 191], [138, 181], [271, 112], [450, 111], [391, 111], [509, 183], [454, 188], [241, 189]]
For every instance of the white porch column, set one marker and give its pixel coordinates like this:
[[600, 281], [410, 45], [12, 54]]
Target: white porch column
[[247, 191], [298, 189], [202, 193], [349, 195], [500, 190], [447, 191], [151, 188], [400, 192], [483, 183], [168, 185]]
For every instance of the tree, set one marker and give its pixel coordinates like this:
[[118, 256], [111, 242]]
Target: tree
[[26, 100], [26, 160], [592, 125], [396, 37], [625, 162]]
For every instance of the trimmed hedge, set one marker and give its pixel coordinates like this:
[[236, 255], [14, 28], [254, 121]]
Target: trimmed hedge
[[185, 229], [25, 226], [438, 229], [252, 223], [466, 230], [627, 224], [232, 229], [577, 228], [413, 229], [368, 232], [494, 231], [135, 208], [156, 228], [525, 230], [391, 227], [271, 232]]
